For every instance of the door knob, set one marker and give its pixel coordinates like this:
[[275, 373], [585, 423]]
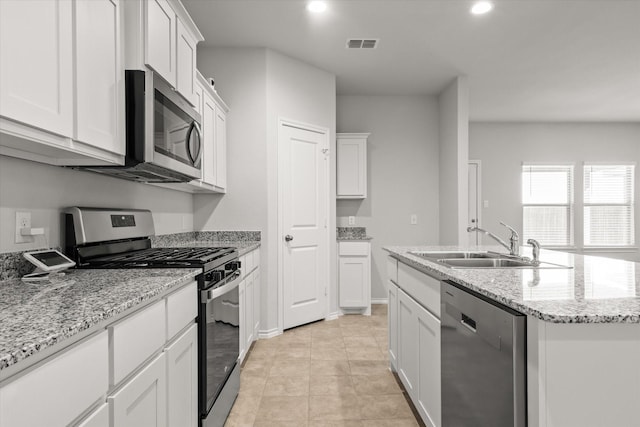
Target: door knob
[[288, 237]]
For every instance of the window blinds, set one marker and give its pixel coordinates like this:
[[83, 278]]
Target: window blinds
[[609, 205], [547, 204]]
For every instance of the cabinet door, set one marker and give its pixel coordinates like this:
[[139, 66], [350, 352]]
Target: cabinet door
[[182, 379], [393, 324], [186, 63], [221, 148], [59, 390], [99, 75], [160, 39], [428, 396], [209, 135], [354, 278], [242, 303], [36, 69], [256, 303], [98, 418], [248, 311], [143, 400], [351, 168], [407, 343]]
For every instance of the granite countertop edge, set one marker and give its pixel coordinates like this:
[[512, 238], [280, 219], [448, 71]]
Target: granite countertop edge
[[444, 273], [94, 319], [354, 238]]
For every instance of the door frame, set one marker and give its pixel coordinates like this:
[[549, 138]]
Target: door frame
[[478, 164], [283, 121]]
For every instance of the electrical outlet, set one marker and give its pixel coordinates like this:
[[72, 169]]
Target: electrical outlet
[[414, 219], [23, 220], [352, 220], [485, 204]]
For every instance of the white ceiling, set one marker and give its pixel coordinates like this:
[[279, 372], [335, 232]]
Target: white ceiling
[[529, 60]]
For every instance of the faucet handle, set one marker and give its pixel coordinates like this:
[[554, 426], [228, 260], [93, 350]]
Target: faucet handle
[[513, 230]]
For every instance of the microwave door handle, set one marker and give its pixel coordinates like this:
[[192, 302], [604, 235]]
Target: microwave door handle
[[194, 158]]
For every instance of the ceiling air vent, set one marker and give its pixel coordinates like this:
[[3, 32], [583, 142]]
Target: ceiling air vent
[[362, 43]]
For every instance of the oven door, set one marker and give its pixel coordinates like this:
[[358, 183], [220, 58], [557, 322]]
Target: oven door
[[173, 130], [219, 332]]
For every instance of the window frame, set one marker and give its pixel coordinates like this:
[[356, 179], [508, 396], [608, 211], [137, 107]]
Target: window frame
[[571, 221], [609, 248]]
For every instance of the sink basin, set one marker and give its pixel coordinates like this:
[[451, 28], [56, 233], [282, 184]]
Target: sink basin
[[454, 254], [495, 263]]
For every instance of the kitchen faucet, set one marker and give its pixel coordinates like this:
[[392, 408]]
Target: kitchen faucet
[[513, 247], [535, 250]]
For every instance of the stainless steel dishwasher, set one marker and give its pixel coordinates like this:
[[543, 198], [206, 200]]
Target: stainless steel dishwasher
[[483, 361]]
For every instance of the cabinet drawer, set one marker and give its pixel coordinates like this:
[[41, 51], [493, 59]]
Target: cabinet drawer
[[136, 338], [182, 308], [421, 287], [61, 389], [353, 248], [392, 269]]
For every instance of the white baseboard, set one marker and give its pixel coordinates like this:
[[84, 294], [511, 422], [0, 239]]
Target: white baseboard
[[379, 300], [269, 333], [332, 316]]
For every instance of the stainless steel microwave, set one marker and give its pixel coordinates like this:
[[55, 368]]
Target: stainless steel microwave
[[163, 136]]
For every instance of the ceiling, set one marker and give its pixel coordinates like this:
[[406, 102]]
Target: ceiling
[[527, 60]]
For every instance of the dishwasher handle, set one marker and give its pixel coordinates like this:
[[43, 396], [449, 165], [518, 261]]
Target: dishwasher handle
[[468, 322]]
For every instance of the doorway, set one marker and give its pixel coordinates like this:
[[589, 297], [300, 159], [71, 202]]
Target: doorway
[[303, 187], [474, 200]]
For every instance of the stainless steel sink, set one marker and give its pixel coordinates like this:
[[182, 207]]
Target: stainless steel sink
[[431, 255], [495, 263]]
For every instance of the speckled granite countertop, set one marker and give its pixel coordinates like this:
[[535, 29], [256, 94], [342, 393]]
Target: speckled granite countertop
[[35, 317], [596, 290], [352, 233]]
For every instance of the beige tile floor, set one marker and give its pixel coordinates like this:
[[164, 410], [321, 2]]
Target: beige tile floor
[[326, 374]]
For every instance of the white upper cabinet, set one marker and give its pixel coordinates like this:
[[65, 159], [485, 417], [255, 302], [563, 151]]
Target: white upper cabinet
[[99, 75], [221, 148], [208, 138], [186, 64], [36, 75], [351, 165], [61, 81], [162, 36]]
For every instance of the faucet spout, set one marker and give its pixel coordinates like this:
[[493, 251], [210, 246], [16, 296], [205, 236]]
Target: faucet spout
[[512, 246]]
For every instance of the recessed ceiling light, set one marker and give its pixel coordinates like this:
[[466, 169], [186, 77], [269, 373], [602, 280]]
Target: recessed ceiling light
[[316, 6], [481, 7]]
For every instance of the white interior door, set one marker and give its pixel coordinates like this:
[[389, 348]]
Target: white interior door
[[303, 173], [474, 200]]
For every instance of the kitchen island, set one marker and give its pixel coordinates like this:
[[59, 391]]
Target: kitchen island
[[583, 331]]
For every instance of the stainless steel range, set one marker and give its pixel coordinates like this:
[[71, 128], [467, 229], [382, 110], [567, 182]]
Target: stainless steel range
[[116, 238]]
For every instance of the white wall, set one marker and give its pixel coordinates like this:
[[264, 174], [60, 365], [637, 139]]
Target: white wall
[[454, 148], [402, 165], [261, 86], [45, 190], [502, 147]]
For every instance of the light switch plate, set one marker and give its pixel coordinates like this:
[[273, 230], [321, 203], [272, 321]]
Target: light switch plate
[[414, 219]]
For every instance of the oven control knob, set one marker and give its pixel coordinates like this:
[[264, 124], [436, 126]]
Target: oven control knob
[[233, 265], [214, 276]]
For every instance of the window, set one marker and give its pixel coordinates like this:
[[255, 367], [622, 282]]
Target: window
[[547, 204], [608, 205]]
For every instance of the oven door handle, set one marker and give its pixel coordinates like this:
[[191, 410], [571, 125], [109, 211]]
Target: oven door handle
[[207, 296]]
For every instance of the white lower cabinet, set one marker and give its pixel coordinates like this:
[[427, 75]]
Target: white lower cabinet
[[414, 337], [57, 392], [392, 314], [142, 401], [182, 379], [428, 396], [249, 297], [98, 418], [354, 275]]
